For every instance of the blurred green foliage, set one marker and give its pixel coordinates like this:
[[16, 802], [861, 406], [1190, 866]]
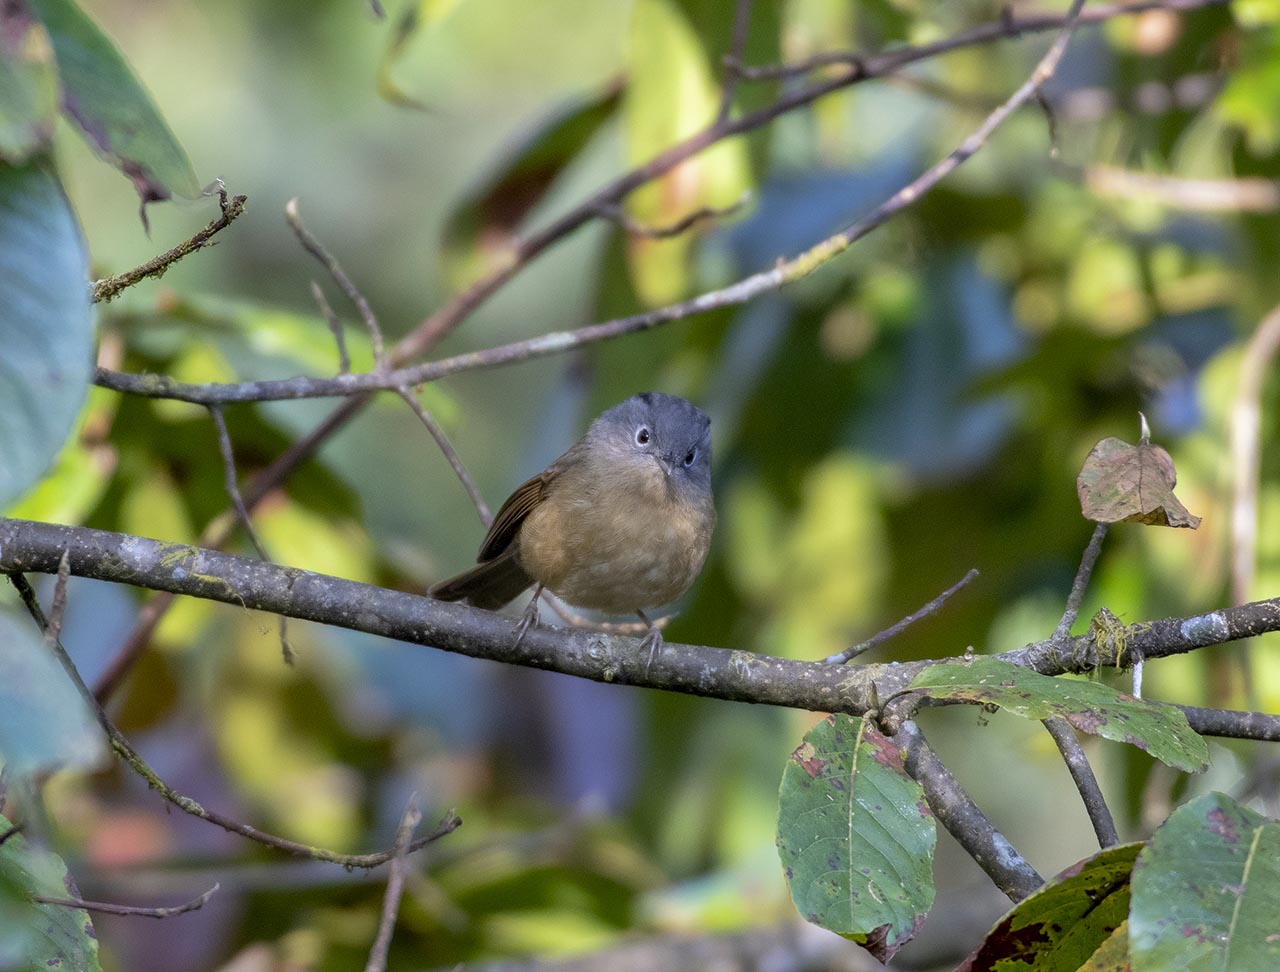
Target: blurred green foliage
[[919, 407]]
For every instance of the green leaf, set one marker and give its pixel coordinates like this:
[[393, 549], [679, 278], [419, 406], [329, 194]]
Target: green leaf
[[480, 233], [113, 110], [28, 84], [46, 325], [1251, 98], [44, 723], [1113, 954], [35, 935], [855, 836], [670, 95], [1206, 892], [1063, 924], [1157, 727]]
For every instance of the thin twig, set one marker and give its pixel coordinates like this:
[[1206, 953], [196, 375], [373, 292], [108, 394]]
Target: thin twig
[[733, 59], [122, 662], [933, 607], [58, 607], [1081, 583], [1082, 773], [636, 228], [448, 316], [395, 887], [110, 287], [450, 454], [118, 909], [125, 751], [330, 263], [1007, 27], [335, 327], [242, 512], [1051, 121], [786, 271]]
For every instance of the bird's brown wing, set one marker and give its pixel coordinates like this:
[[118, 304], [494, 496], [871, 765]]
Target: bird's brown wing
[[519, 504]]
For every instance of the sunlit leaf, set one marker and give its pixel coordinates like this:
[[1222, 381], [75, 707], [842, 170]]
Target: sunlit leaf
[[44, 723], [1113, 954], [115, 113], [34, 935], [1157, 727], [480, 233], [855, 836], [28, 84], [671, 94], [82, 471], [1206, 892], [1064, 923], [46, 325], [1120, 482]]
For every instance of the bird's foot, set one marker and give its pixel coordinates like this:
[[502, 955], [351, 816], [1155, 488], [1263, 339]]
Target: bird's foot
[[652, 641], [529, 620]]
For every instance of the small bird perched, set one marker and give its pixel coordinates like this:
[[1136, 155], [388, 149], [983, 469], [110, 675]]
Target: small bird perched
[[619, 523]]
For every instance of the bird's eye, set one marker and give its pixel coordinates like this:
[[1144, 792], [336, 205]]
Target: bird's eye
[[689, 456], [643, 435]]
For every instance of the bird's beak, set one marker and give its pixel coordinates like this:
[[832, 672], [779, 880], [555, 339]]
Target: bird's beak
[[668, 464]]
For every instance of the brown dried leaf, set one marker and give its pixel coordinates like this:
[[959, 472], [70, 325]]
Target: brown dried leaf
[[1123, 483]]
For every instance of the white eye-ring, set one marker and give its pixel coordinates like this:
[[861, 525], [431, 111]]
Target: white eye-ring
[[643, 435], [690, 456]]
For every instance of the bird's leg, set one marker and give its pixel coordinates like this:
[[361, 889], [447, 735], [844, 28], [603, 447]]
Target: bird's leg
[[652, 640], [530, 617]]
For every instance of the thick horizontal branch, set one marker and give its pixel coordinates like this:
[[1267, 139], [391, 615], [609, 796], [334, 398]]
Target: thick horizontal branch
[[722, 673], [180, 569], [1232, 724]]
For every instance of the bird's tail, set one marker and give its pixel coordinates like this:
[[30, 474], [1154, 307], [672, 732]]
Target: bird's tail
[[488, 585]]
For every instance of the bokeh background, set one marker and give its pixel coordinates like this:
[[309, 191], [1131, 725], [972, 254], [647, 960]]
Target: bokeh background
[[917, 407]]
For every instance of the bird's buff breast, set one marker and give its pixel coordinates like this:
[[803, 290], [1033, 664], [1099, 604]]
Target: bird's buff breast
[[617, 547]]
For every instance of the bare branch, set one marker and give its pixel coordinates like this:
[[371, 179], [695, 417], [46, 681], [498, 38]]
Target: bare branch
[[330, 263], [395, 887], [450, 454], [242, 513], [1082, 773], [1008, 27], [964, 820], [694, 669], [786, 271], [127, 753], [335, 327], [1233, 725], [110, 287], [619, 216], [1081, 582], [933, 607], [118, 909], [733, 59]]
